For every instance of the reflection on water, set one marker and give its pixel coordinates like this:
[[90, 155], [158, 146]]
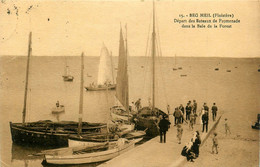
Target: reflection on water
[[26, 156], [25, 152]]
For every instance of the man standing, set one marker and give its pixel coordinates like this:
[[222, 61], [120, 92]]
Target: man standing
[[214, 110], [177, 116], [188, 111], [205, 121], [138, 104], [163, 125]]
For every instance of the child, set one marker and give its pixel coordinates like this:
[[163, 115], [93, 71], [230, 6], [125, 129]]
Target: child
[[179, 133], [192, 118], [227, 129], [215, 143]]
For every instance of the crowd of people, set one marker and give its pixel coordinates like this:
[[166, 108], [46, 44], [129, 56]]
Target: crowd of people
[[192, 116]]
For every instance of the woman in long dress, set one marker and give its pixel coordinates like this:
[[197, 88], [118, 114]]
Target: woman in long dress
[[202, 111]]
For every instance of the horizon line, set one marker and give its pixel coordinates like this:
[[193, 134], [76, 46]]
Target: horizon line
[[131, 56]]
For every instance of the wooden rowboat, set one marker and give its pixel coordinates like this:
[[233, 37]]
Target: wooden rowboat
[[83, 157]]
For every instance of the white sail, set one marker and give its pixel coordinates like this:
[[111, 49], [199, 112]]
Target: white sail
[[105, 67]]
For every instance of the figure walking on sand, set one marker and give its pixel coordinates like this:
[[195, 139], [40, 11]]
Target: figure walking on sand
[[215, 143], [182, 110], [214, 110], [179, 133], [202, 111], [194, 107], [192, 118], [168, 109], [227, 128], [163, 126]]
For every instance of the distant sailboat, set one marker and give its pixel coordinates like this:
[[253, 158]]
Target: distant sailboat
[[105, 73], [45, 132], [175, 68], [67, 77]]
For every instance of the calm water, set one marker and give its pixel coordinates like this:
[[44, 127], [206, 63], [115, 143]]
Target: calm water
[[236, 93]]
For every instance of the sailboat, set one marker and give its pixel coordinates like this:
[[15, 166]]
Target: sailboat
[[67, 77], [122, 130], [148, 117], [121, 112], [105, 73], [174, 68], [45, 132]]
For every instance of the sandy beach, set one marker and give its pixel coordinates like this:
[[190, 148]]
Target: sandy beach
[[234, 150]]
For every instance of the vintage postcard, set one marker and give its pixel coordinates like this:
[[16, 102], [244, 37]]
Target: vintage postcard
[[124, 83]]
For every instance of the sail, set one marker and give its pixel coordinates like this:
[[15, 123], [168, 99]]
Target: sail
[[122, 76], [105, 67]]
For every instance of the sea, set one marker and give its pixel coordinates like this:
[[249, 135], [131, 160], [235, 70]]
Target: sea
[[232, 83]]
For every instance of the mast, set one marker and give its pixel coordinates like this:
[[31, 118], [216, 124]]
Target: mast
[[27, 76], [81, 95], [153, 59], [126, 74], [175, 61]]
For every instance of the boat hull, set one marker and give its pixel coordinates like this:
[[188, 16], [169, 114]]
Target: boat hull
[[149, 125], [57, 110], [39, 135], [101, 88], [68, 78], [148, 120], [88, 157], [28, 137]]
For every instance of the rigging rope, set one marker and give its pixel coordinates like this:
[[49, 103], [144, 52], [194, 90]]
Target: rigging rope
[[146, 57], [160, 56]]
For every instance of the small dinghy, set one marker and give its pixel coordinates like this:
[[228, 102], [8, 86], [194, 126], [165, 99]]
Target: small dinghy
[[82, 156], [57, 110]]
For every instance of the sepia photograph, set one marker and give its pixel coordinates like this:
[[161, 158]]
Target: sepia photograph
[[129, 83]]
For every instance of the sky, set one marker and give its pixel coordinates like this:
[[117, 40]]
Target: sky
[[67, 28]]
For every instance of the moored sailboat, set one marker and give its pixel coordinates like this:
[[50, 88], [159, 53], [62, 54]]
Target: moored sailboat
[[45, 132], [121, 112], [67, 77]]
